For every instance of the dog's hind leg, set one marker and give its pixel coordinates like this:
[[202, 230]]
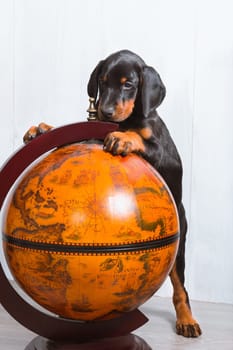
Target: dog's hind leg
[[186, 325]]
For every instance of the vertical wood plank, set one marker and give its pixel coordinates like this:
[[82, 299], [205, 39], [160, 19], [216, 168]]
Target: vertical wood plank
[[6, 79], [212, 180]]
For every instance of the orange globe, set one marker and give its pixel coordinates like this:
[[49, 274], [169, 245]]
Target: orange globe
[[89, 235]]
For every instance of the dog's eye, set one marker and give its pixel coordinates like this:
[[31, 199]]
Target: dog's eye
[[127, 85]]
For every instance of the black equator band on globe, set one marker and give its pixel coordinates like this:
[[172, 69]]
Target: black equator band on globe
[[92, 248]]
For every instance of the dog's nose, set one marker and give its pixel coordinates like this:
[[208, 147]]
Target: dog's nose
[[107, 111]]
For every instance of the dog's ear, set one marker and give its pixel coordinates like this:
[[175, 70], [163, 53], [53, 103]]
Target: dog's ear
[[92, 86], [153, 90]]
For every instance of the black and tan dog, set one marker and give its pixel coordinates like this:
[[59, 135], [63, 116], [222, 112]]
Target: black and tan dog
[[128, 92]]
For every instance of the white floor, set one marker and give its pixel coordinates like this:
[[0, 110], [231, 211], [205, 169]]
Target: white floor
[[216, 321]]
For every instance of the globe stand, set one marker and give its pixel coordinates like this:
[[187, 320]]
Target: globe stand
[[127, 342], [59, 333]]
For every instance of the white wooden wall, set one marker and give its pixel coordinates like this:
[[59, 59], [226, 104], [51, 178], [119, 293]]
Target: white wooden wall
[[48, 48]]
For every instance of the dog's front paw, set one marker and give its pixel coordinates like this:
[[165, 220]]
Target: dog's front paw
[[35, 131], [191, 330], [123, 143]]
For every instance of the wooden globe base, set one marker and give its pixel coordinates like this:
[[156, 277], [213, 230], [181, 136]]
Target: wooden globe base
[[127, 342], [58, 333]]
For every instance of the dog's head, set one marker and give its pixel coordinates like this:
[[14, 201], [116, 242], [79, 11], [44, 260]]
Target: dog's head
[[123, 83]]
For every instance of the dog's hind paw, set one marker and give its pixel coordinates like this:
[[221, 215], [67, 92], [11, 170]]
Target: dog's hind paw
[[188, 330]]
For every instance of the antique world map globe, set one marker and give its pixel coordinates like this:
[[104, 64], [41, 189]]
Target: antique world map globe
[[88, 235]]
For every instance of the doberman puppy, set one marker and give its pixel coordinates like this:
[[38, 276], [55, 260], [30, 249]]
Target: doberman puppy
[[127, 92]]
